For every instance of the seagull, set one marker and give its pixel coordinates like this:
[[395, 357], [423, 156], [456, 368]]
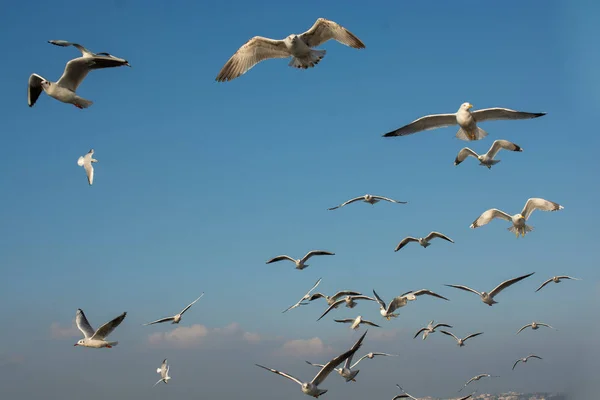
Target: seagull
[[557, 279], [465, 119], [525, 360], [461, 342], [534, 325], [424, 241], [75, 72], [164, 373], [406, 395], [298, 47], [300, 263], [312, 388], [305, 297], [86, 162], [368, 198], [356, 322], [488, 298], [430, 328], [96, 339], [476, 378], [487, 159], [176, 318], [518, 220], [346, 372], [350, 303], [334, 298], [387, 312]]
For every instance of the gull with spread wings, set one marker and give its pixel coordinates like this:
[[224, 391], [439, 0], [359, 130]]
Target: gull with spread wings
[[488, 298], [176, 318], [164, 372], [524, 360], [96, 339], [459, 341], [487, 159], [356, 322], [556, 279], [301, 262], [535, 326], [518, 220], [424, 241], [430, 328], [387, 312], [368, 198], [346, 371], [332, 299], [350, 301], [298, 47], [476, 378], [405, 395], [465, 119], [312, 388], [307, 296], [75, 72], [86, 162]]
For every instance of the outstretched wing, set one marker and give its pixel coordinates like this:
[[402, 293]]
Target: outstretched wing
[[526, 326], [108, 327], [544, 284], [463, 154], [191, 304], [445, 325], [438, 235], [430, 293], [539, 204], [347, 202], [516, 362], [77, 69], [330, 366], [465, 288], [34, 89], [158, 321], [533, 356], [489, 215], [450, 334], [379, 300], [324, 30], [364, 321], [497, 113], [405, 241], [502, 144], [316, 253], [507, 283], [298, 381], [344, 293], [331, 307], [64, 43], [344, 321], [472, 335], [390, 200], [419, 332], [424, 124], [83, 325], [279, 258]]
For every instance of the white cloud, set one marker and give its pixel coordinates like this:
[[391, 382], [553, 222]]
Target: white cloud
[[199, 335], [61, 332], [251, 337], [304, 347]]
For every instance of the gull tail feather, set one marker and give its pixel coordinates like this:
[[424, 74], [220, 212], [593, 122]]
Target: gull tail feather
[[82, 103], [113, 343], [313, 58], [463, 135]]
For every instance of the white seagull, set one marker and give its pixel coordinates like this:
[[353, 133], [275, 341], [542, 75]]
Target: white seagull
[[298, 47], [176, 318], [350, 301], [387, 312], [86, 162], [487, 159], [488, 298], [476, 378], [75, 72], [346, 371], [312, 388], [525, 359], [368, 198], [164, 373], [424, 241], [518, 220], [465, 119], [408, 396], [459, 341], [534, 325], [556, 279], [300, 263], [332, 299], [96, 339], [430, 328], [305, 297], [356, 322]]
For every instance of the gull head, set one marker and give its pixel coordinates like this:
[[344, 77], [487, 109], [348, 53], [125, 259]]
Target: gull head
[[466, 106], [45, 84], [80, 342]]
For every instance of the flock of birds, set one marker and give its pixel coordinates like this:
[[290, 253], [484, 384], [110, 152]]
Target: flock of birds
[[300, 47]]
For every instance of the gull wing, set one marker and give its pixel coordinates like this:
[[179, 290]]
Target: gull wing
[[533, 356], [317, 295], [544, 284], [34, 89], [390, 200], [425, 123], [344, 321], [298, 381], [364, 321], [331, 307], [89, 171], [158, 321], [373, 354], [362, 297], [405, 241], [316, 253], [465, 288], [463, 154], [348, 202], [83, 325], [163, 369], [546, 325], [472, 335], [279, 258], [330, 366], [77, 69], [445, 325], [507, 283], [430, 293], [251, 53], [315, 365], [438, 235], [489, 215], [108, 327], [515, 364], [450, 334], [502, 144], [519, 331], [191, 304], [419, 332], [344, 293], [324, 30], [498, 113], [64, 43], [379, 300], [539, 204]]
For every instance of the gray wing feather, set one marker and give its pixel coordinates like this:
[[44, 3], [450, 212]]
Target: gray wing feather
[[502, 144], [331, 307], [425, 123], [507, 283], [83, 324], [489, 215], [438, 235], [405, 241], [330, 366], [108, 327], [539, 204], [77, 69], [191, 304], [497, 113], [324, 30], [34, 89], [463, 154], [290, 377]]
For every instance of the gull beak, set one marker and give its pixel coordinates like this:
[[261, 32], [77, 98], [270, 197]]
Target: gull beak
[[470, 106], [76, 344]]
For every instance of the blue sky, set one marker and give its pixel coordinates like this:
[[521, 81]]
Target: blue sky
[[199, 183]]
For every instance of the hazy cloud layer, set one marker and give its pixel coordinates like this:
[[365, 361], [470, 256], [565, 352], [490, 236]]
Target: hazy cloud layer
[[304, 347], [57, 331], [199, 335]]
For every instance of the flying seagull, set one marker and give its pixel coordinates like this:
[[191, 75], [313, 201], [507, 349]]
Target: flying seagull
[[476, 378], [298, 47], [405, 395], [346, 371], [96, 339], [459, 341], [164, 372], [518, 220], [424, 241], [75, 72], [312, 388], [300, 263], [488, 298], [349, 300], [525, 359], [176, 318], [487, 159], [430, 328], [368, 198], [86, 162], [332, 299], [534, 325], [465, 119], [556, 279], [387, 312], [305, 297], [356, 322]]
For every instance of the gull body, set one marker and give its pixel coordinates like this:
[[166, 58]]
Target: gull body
[[534, 326], [556, 279], [301, 262], [430, 328], [368, 198], [333, 299], [164, 373], [518, 220], [465, 119], [349, 300], [424, 241], [387, 311], [459, 341], [86, 162], [307, 296], [176, 318], [524, 360], [312, 388], [96, 339], [488, 298], [355, 323], [487, 159]]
